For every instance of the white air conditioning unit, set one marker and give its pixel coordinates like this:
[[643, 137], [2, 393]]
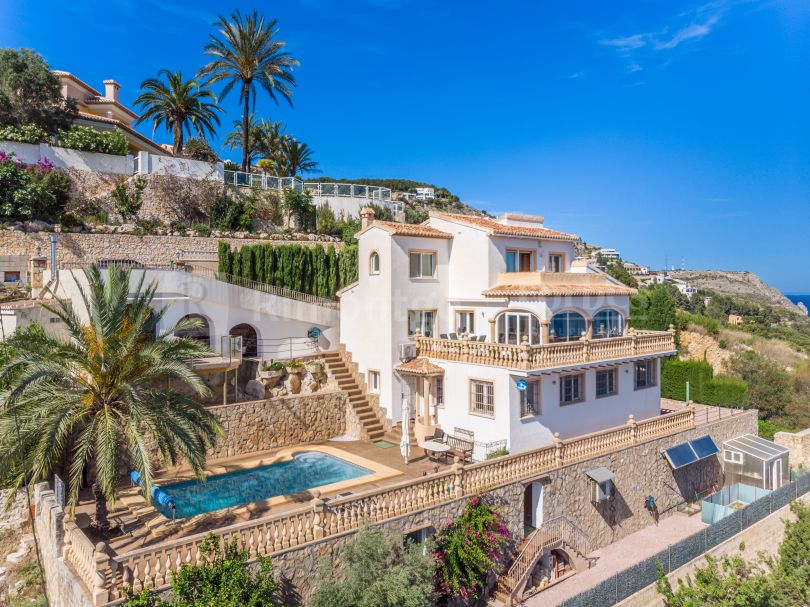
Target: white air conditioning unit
[[407, 352]]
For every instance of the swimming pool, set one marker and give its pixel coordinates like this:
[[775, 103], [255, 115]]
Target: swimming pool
[[307, 469]]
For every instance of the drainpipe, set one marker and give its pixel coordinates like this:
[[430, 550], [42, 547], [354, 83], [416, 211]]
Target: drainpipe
[[53, 283]]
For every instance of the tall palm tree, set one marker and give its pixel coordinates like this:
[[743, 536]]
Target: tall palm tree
[[182, 105], [98, 400], [296, 158], [246, 53]]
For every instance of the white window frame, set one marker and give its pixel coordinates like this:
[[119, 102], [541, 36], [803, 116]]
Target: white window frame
[[373, 381], [580, 397], [486, 406], [732, 457], [503, 321], [551, 265], [422, 323], [470, 314], [420, 275], [614, 372], [438, 390], [374, 268], [537, 406]]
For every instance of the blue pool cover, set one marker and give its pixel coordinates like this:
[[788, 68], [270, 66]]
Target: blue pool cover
[[306, 470]]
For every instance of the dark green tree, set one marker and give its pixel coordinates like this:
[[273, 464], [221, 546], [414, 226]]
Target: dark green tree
[[769, 385]]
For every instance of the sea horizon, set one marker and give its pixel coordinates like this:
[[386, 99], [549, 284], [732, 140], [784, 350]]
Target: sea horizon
[[799, 298]]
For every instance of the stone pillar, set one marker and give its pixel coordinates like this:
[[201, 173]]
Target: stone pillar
[[458, 468], [317, 519], [492, 330], [430, 402], [690, 406], [558, 449], [100, 591], [631, 423], [544, 333]]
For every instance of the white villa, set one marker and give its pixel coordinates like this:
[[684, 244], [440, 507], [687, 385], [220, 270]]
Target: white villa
[[494, 326]]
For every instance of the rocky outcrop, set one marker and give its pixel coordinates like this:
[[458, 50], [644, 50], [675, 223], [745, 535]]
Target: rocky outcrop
[[699, 346], [744, 284]]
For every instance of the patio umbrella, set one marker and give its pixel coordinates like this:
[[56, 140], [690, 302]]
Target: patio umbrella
[[404, 442]]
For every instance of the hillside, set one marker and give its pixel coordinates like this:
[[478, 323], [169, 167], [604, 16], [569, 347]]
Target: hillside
[[737, 284]]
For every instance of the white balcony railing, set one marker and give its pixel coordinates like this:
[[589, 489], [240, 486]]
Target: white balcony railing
[[317, 189]]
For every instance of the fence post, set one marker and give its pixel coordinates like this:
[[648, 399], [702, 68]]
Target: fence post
[[690, 406], [101, 593], [458, 468], [558, 448]]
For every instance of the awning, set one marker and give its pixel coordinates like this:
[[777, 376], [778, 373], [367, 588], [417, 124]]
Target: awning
[[600, 474], [690, 452]]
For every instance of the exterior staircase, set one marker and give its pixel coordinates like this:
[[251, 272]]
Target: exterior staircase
[[556, 533], [350, 381], [394, 435]]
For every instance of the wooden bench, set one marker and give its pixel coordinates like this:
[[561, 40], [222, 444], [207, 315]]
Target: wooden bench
[[459, 447]]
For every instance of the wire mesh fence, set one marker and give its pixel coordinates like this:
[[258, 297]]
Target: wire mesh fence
[[629, 581]]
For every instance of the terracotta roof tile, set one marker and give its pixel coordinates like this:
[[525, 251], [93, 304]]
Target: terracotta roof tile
[[409, 229], [497, 228], [419, 366], [557, 290]]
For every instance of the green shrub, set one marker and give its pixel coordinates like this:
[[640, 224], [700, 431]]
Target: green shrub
[[232, 166], [711, 326], [88, 139], [497, 453], [128, 200], [725, 391], [228, 214], [325, 221], [198, 148], [201, 229], [415, 215], [703, 386], [70, 220], [26, 133], [147, 226], [175, 225]]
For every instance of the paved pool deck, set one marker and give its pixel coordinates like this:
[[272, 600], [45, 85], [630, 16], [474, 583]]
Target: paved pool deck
[[619, 556], [144, 526]]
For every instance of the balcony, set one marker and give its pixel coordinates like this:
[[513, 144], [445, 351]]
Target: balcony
[[548, 356]]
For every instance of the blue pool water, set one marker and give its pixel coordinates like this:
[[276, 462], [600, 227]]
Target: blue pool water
[[306, 470]]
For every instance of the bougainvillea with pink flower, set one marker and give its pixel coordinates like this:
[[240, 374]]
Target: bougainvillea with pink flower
[[468, 550], [31, 191]]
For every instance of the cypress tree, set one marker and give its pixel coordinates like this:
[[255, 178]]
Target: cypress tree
[[223, 257], [236, 263], [269, 264], [320, 263], [247, 262], [332, 279], [258, 260]]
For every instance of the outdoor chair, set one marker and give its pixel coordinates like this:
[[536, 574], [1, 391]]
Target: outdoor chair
[[459, 447], [465, 434], [453, 336], [482, 338], [443, 335], [438, 435]]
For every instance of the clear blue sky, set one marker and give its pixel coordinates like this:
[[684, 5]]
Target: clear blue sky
[[668, 130]]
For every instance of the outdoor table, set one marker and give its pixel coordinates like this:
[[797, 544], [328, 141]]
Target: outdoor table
[[435, 448]]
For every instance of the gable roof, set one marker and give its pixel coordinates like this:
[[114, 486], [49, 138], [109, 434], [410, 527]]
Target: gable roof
[[499, 229], [419, 366], [406, 229]]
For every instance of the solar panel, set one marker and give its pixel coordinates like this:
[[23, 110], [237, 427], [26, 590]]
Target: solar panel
[[680, 455], [704, 446]]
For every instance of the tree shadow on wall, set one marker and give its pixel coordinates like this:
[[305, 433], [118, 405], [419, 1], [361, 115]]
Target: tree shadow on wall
[[614, 510], [698, 478], [287, 594]]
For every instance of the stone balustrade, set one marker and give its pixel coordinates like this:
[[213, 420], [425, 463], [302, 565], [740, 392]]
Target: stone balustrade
[[550, 355], [152, 566]]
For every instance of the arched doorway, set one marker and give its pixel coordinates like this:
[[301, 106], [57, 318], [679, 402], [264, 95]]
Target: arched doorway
[[200, 333], [250, 340]]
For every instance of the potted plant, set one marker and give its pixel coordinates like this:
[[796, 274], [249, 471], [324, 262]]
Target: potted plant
[[314, 366], [271, 370], [296, 367]]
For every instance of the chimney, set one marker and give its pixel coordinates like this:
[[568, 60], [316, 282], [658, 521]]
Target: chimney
[[366, 217], [112, 90]]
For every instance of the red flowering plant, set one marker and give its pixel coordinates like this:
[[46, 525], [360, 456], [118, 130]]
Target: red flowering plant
[[31, 191], [468, 550]]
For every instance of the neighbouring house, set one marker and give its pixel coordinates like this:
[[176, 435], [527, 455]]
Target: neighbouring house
[[635, 269], [425, 193], [494, 326], [735, 320], [106, 112], [608, 254]]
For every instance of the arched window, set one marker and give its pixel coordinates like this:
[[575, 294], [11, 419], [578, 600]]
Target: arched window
[[201, 333], [608, 323], [512, 327], [567, 326], [374, 263]]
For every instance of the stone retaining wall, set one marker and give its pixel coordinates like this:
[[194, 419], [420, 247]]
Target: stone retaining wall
[[279, 422], [799, 445], [85, 248], [62, 584]]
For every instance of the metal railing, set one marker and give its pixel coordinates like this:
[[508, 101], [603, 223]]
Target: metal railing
[[316, 188], [285, 348]]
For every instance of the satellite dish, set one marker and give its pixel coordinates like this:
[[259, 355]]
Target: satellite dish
[[522, 385], [314, 333]]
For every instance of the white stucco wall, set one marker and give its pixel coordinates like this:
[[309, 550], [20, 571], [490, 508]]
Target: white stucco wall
[[182, 167], [225, 306], [65, 158]]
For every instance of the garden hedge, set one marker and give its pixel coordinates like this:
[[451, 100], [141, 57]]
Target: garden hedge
[[315, 270], [703, 386]]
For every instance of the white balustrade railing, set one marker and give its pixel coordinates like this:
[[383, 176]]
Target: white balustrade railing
[[316, 188]]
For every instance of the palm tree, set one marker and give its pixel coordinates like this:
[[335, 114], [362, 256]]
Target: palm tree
[[182, 105], [257, 137], [101, 398], [246, 53], [296, 158]]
